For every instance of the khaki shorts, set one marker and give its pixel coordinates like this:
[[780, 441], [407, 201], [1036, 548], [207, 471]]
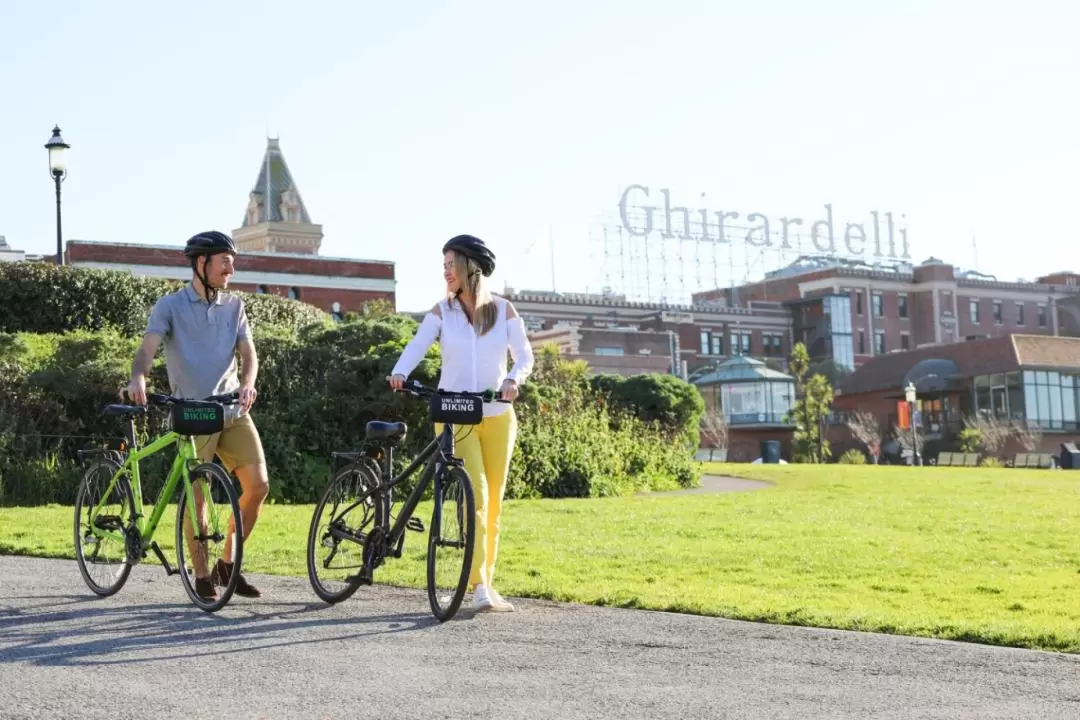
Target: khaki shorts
[[237, 445]]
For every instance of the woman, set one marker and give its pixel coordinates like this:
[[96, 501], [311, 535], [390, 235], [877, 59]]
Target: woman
[[474, 329]]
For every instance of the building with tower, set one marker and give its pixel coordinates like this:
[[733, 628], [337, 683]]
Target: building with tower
[[279, 247]]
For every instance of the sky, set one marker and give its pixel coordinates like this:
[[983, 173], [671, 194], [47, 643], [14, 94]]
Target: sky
[[407, 123]]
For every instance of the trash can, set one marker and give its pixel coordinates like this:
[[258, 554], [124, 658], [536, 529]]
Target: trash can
[[770, 451]]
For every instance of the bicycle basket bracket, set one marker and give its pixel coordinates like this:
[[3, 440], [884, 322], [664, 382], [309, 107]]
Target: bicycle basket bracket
[[456, 409], [197, 417]]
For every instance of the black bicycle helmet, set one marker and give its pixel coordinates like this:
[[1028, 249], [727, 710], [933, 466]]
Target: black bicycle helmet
[[210, 242], [474, 248]]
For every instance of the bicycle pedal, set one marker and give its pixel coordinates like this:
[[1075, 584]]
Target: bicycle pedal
[[169, 570], [364, 577], [415, 524]]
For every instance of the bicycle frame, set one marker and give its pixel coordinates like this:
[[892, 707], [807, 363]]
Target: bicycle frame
[[439, 450], [185, 455]]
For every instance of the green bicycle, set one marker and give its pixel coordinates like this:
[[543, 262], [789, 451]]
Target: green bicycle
[[112, 533]]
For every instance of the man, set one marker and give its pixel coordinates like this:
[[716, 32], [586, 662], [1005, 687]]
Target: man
[[203, 329]]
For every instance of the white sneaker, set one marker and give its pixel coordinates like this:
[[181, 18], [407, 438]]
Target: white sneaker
[[482, 600], [499, 604]]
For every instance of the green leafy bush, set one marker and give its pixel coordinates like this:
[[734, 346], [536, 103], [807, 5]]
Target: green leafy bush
[[854, 456], [319, 384], [664, 400], [317, 389], [45, 298]]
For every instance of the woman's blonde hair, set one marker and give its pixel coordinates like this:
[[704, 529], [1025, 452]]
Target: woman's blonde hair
[[486, 313]]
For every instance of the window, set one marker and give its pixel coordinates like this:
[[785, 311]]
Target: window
[[294, 293], [711, 344], [862, 342], [878, 304], [858, 302], [608, 351], [740, 343], [997, 312], [1042, 315], [901, 305], [973, 306], [772, 345], [260, 290], [1019, 313], [335, 311], [879, 342], [750, 403], [905, 341], [1043, 398]]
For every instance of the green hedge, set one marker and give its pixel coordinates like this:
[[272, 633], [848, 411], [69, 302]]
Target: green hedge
[[319, 383], [43, 298], [318, 387]]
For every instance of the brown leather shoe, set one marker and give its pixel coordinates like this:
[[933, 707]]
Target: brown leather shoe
[[204, 588], [222, 572]]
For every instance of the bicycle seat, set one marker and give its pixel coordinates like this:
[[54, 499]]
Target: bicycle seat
[[380, 431], [125, 410]]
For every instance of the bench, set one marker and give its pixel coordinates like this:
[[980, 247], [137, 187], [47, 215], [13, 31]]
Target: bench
[[1039, 461], [957, 459]]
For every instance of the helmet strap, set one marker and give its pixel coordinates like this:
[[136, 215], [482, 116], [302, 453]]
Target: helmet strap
[[210, 292]]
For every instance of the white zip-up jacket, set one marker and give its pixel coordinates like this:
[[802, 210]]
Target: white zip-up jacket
[[471, 362]]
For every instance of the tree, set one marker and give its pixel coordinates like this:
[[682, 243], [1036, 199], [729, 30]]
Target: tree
[[903, 437], [866, 429], [1029, 435], [993, 432], [714, 429], [814, 396], [833, 371]]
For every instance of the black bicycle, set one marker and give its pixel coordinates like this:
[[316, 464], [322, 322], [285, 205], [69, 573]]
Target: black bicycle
[[358, 531]]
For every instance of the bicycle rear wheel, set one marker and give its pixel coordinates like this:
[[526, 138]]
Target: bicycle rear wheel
[[348, 512], [103, 559], [450, 542], [220, 536]]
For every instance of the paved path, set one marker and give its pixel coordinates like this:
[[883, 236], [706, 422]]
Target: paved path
[[381, 655]]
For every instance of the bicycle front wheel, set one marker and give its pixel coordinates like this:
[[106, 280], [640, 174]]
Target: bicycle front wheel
[[104, 514], [209, 538], [450, 542]]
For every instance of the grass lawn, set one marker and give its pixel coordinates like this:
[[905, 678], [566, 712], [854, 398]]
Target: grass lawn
[[985, 555]]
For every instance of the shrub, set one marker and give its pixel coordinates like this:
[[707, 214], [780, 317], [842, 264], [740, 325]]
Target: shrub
[[991, 462], [853, 456], [670, 403], [45, 298], [317, 389], [572, 442]]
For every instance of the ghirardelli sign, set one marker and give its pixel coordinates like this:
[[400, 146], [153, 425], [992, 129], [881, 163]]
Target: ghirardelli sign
[[675, 221]]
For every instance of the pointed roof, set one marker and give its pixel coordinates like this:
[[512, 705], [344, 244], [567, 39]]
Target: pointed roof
[[4, 243], [274, 180]]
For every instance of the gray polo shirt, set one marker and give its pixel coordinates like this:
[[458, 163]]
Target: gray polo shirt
[[200, 343]]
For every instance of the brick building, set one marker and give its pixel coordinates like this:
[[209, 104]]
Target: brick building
[[279, 246], [903, 307], [1032, 380], [846, 313], [690, 338]]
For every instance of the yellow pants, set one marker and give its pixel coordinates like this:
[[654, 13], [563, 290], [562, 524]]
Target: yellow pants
[[486, 449]]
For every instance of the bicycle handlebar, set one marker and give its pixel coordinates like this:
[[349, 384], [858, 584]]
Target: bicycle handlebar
[[225, 399], [157, 399], [418, 389]]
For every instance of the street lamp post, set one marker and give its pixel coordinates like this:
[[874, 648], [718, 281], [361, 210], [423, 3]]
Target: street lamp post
[[58, 169], [909, 395]]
